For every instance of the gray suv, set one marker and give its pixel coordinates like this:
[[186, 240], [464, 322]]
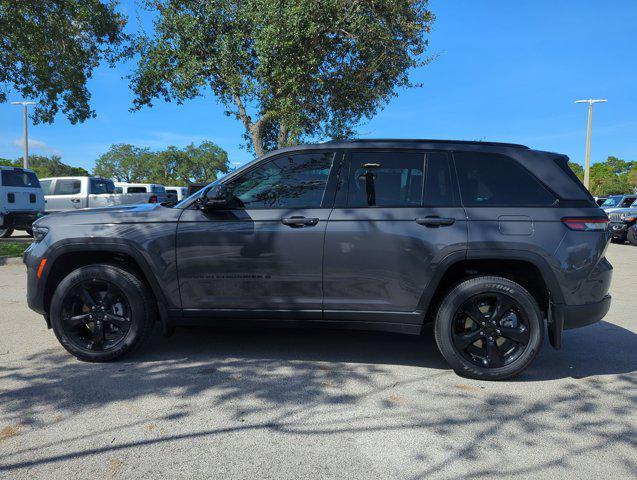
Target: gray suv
[[489, 241]]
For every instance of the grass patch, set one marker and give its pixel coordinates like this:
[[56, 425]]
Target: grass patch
[[12, 249]]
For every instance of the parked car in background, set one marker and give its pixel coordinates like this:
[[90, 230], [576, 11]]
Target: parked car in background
[[621, 220], [600, 200], [618, 201], [74, 193], [176, 194], [195, 187], [142, 192], [494, 243], [21, 200], [631, 235]]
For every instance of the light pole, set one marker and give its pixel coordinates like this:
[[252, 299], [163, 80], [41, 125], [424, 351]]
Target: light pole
[[587, 168], [26, 134]]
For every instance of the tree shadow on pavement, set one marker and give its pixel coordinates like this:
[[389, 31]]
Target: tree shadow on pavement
[[320, 383]]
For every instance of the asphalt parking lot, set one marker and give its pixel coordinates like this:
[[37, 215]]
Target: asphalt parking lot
[[314, 404]]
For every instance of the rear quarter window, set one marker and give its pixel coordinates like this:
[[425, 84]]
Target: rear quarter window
[[488, 179], [137, 190]]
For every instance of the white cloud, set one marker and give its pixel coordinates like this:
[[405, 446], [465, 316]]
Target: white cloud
[[35, 144]]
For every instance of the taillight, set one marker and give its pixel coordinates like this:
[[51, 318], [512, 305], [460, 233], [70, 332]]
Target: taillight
[[152, 199], [586, 224]]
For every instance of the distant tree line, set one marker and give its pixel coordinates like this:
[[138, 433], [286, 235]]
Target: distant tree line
[[612, 176], [127, 163], [47, 166], [172, 166]]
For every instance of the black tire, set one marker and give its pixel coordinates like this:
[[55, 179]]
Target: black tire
[[449, 318], [139, 301], [617, 240], [6, 232], [632, 236]]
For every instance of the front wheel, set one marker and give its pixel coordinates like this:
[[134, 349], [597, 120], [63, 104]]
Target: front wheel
[[6, 232], [632, 236], [101, 312], [489, 328]]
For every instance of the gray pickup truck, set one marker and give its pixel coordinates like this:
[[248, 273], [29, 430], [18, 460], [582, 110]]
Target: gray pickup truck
[[73, 193]]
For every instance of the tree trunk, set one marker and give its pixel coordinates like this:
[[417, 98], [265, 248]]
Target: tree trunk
[[257, 141]]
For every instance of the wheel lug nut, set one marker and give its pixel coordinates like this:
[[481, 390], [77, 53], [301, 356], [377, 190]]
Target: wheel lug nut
[[481, 333]]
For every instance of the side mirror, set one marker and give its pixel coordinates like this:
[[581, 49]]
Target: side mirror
[[215, 198]]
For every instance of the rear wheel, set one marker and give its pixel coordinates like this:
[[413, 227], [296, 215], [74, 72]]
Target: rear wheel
[[632, 236], [6, 232], [101, 312], [489, 328]]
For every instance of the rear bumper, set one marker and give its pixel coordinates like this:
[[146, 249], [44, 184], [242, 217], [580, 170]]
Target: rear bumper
[[566, 317], [19, 219]]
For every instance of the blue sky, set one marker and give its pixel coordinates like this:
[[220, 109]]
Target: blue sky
[[505, 71]]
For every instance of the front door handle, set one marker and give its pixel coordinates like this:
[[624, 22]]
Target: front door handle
[[75, 200], [298, 222], [435, 221]]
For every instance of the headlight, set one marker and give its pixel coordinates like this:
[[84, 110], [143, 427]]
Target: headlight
[[622, 216], [39, 233]]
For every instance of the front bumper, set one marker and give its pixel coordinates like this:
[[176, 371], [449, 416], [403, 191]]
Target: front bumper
[[618, 230], [35, 286], [566, 317]]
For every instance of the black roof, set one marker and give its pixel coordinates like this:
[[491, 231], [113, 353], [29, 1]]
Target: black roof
[[434, 141]]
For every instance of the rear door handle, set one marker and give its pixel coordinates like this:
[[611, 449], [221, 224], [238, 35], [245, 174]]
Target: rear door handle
[[75, 200], [435, 221], [297, 222]]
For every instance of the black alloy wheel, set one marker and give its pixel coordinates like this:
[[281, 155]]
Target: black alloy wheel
[[96, 315], [100, 312], [490, 330]]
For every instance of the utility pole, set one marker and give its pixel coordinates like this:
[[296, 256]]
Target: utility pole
[[587, 168], [26, 133]]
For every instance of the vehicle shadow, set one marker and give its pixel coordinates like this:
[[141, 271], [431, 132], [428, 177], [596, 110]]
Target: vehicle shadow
[[600, 349]]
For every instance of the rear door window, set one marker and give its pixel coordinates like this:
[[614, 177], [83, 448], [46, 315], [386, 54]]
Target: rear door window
[[19, 178], [67, 187], [488, 179], [391, 179], [100, 187], [440, 187]]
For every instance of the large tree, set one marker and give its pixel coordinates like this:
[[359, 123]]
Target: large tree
[[287, 69], [125, 163], [49, 49]]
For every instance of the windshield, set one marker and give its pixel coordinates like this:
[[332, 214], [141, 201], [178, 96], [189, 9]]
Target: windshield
[[612, 201]]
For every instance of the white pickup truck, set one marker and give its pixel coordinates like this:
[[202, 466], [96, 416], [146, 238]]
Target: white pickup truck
[[21, 199], [71, 193]]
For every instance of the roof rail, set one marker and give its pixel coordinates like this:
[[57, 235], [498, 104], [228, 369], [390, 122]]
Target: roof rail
[[421, 140]]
